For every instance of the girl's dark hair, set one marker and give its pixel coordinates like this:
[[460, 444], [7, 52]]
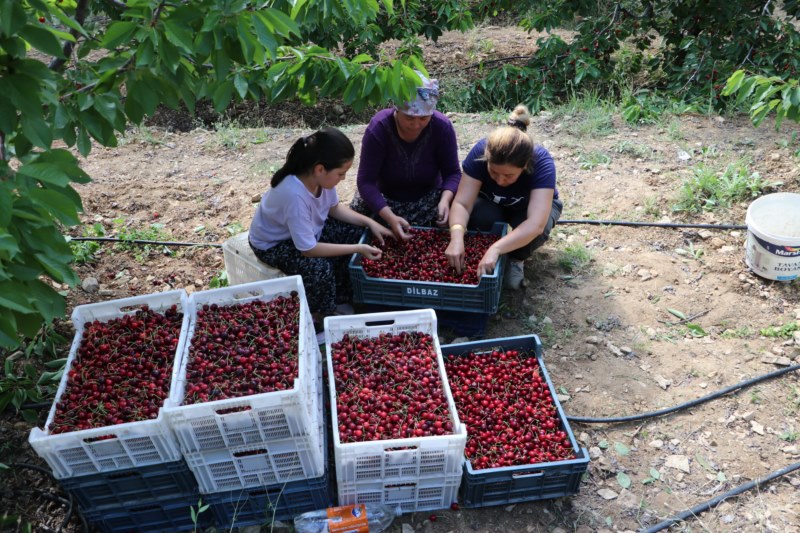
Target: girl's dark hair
[[328, 147], [511, 145]]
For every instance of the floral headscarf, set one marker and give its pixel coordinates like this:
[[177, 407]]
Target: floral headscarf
[[425, 102]]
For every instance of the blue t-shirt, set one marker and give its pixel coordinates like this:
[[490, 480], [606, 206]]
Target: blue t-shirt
[[517, 194]]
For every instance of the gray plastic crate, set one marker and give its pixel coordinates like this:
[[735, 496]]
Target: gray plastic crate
[[481, 298], [524, 483]]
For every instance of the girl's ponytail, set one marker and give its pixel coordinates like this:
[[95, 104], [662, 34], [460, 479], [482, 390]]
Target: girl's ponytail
[[328, 147]]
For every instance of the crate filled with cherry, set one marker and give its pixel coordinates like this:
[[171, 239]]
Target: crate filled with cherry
[[415, 273], [245, 404], [519, 443], [397, 438]]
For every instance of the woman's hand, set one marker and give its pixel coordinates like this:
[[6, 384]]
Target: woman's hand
[[443, 210], [455, 252], [370, 252], [488, 261], [379, 231], [399, 227]]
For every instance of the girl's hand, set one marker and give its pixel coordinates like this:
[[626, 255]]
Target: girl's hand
[[455, 253], [379, 231], [444, 212], [370, 252], [488, 261]]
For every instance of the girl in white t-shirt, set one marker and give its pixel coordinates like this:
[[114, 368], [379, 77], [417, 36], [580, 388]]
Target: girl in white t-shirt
[[300, 227]]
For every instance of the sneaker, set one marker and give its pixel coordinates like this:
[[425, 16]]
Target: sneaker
[[515, 275]]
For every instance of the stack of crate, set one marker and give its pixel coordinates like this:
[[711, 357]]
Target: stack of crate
[[260, 457], [128, 476], [412, 474]]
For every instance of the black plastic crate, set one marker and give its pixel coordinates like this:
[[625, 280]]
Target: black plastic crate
[[159, 515], [481, 298], [524, 483], [119, 488]]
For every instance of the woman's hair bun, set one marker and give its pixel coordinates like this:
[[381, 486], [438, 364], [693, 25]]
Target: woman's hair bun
[[520, 117]]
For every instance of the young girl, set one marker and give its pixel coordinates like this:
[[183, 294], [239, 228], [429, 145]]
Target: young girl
[[301, 228], [506, 179]]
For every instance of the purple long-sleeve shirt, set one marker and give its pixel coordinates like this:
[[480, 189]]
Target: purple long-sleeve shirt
[[405, 172]]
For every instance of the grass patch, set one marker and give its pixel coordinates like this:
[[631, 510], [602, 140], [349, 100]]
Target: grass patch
[[637, 150], [84, 250], [592, 159], [574, 259], [586, 115], [153, 232], [710, 189]]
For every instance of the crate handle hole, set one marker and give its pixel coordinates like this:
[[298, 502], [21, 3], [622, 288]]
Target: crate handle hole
[[129, 308], [123, 475], [379, 323], [230, 410], [521, 475], [402, 449], [250, 452], [91, 440], [400, 485]]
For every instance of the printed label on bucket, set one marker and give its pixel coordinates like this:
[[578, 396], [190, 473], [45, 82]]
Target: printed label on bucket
[[772, 261]]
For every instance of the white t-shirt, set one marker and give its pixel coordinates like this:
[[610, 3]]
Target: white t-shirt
[[291, 211]]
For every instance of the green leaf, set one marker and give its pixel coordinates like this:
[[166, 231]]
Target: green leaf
[[42, 40], [13, 19], [696, 330], [12, 297], [37, 131], [241, 85], [603, 444], [46, 172], [222, 96], [734, 82], [621, 449], [704, 463], [677, 313], [67, 21], [178, 35], [623, 479], [721, 476], [57, 204], [655, 474], [117, 33], [56, 363]]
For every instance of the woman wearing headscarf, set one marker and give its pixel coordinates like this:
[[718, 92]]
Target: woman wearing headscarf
[[409, 172]]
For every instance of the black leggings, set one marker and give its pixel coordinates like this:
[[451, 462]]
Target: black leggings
[[485, 213], [326, 279]]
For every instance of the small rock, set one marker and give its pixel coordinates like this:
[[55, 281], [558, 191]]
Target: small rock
[[678, 462], [90, 285], [656, 443], [250, 529], [563, 397], [583, 437], [510, 508], [728, 519], [532, 319], [628, 500], [607, 494], [595, 452], [644, 274], [559, 530], [663, 382], [720, 119], [339, 110], [748, 416], [256, 198], [683, 155], [626, 350], [408, 528], [593, 339], [547, 320], [21, 425], [717, 243], [613, 349], [593, 356], [705, 234], [796, 337], [791, 450], [704, 385], [775, 156], [728, 249], [783, 361], [756, 427]]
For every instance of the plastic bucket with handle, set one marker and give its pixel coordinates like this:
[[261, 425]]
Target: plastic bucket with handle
[[773, 236]]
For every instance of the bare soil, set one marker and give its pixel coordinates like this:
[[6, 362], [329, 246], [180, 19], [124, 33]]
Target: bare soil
[[612, 346]]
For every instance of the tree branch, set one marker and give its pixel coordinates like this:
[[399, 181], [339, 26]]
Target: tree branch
[[2, 146], [81, 10], [755, 36]]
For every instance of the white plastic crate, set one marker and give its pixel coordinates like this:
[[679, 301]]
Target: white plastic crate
[[268, 463], [132, 444], [411, 495], [241, 263], [410, 459], [259, 418]]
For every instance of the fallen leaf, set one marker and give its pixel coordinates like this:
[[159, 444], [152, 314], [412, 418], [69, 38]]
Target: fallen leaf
[[621, 449], [624, 480]]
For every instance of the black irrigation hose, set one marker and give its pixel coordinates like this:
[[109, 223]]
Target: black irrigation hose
[[685, 405], [70, 503], [652, 224], [591, 222], [713, 502], [142, 241]]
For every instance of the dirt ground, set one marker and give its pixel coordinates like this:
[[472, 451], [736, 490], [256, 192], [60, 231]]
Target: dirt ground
[[612, 347]]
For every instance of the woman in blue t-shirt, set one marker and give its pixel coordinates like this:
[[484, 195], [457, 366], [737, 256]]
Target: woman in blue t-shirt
[[505, 178]]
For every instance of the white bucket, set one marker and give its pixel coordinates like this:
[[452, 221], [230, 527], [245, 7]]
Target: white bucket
[[773, 236]]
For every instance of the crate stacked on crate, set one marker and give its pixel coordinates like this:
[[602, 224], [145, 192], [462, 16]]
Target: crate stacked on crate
[[553, 463], [242, 265], [378, 460], [105, 438], [246, 404]]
